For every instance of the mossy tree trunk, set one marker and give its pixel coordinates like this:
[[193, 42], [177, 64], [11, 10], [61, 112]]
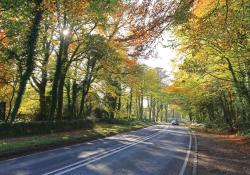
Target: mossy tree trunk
[[30, 61]]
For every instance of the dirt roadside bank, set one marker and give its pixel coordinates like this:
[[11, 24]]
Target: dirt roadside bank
[[223, 154]]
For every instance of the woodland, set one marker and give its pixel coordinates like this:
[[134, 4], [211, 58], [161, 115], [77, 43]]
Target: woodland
[[67, 60]]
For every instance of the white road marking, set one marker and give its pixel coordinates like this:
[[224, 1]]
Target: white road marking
[[61, 148], [195, 162], [183, 168], [98, 157]]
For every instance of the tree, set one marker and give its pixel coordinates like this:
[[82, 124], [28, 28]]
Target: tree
[[215, 62], [62, 48], [32, 37]]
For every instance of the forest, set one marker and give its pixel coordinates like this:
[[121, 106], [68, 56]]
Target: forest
[[212, 82], [71, 60]]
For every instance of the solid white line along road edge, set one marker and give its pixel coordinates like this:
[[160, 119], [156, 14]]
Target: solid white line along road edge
[[183, 168], [195, 162], [101, 155]]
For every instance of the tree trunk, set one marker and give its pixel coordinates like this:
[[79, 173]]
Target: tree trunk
[[242, 89], [119, 103], [130, 102], [85, 90], [153, 110], [30, 50], [142, 112], [88, 79], [43, 106], [149, 109], [82, 104], [226, 112], [161, 111], [138, 107], [68, 89], [61, 57], [190, 116], [157, 110], [166, 112], [57, 77], [74, 98], [64, 71], [44, 79], [60, 98]]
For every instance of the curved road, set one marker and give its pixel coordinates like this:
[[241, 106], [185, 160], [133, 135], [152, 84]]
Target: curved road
[[156, 150]]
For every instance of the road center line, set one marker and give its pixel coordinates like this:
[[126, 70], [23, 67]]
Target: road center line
[[106, 155], [99, 156]]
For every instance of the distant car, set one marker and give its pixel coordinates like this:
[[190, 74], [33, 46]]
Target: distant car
[[175, 122]]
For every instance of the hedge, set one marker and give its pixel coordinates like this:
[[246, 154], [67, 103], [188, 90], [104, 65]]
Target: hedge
[[8, 130]]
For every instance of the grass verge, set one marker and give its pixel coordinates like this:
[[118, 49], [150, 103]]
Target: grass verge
[[26, 145], [204, 129]]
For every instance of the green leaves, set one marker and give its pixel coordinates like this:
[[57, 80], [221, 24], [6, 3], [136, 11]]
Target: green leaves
[[212, 78], [183, 12]]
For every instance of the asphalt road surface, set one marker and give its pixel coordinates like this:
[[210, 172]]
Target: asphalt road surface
[[156, 150]]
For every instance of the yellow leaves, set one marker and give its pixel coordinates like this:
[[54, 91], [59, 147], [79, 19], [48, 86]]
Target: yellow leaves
[[73, 7], [76, 7], [3, 74], [55, 41], [209, 43], [173, 89], [73, 46], [29, 104], [202, 7], [183, 48], [13, 19], [6, 89], [49, 5]]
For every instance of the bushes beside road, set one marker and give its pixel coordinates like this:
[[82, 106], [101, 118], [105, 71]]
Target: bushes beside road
[[12, 147], [20, 129]]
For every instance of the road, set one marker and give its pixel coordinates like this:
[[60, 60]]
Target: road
[[156, 150]]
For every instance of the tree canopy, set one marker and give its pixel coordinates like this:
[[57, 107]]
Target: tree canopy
[[76, 59], [213, 77], [67, 59]]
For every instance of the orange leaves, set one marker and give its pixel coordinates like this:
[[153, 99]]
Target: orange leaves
[[139, 35], [147, 20], [133, 29], [2, 34], [157, 7], [3, 38], [130, 62]]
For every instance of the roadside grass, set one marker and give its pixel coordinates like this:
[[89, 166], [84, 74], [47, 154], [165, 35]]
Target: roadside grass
[[203, 128], [23, 145], [208, 129]]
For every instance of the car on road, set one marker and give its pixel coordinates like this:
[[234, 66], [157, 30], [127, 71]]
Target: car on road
[[175, 122]]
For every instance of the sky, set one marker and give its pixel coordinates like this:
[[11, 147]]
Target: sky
[[164, 56]]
